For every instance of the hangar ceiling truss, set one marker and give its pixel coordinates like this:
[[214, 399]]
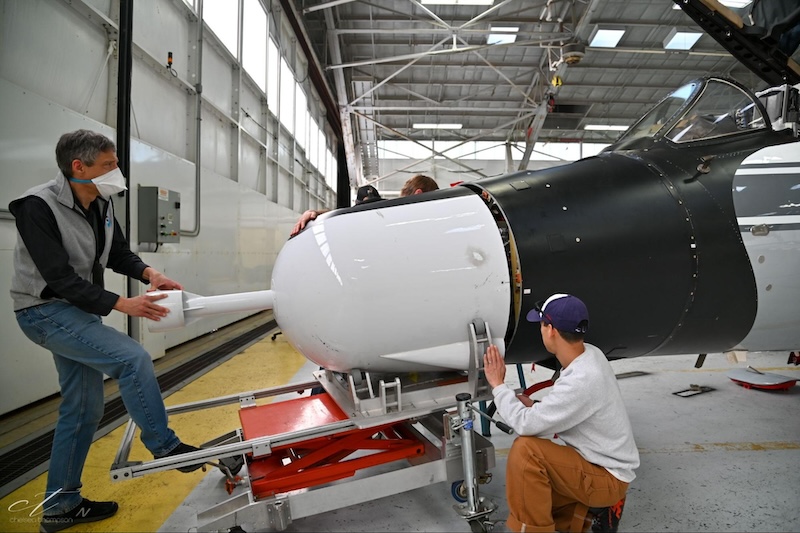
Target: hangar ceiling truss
[[406, 62]]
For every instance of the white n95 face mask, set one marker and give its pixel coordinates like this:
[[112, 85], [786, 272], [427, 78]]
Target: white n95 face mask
[[110, 183]]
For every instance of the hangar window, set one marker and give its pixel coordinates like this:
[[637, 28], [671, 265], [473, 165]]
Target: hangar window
[[286, 112], [254, 42], [273, 75], [722, 109], [223, 19]]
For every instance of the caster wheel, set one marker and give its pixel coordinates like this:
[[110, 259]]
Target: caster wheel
[[459, 491], [476, 526], [234, 464]]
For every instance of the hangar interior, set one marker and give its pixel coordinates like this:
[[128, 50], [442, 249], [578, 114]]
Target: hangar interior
[[246, 113]]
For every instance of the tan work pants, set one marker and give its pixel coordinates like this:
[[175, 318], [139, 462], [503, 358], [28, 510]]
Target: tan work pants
[[551, 487]]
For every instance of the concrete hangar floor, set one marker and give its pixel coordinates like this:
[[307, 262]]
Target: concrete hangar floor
[[723, 460]]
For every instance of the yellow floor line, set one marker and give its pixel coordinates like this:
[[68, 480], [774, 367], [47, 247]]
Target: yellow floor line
[[726, 447], [706, 447], [779, 369], [146, 502]]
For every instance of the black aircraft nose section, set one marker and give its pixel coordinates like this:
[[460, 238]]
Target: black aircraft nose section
[[637, 246]]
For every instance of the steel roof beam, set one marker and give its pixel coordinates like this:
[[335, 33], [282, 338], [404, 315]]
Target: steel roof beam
[[436, 109], [536, 125], [446, 51], [507, 80], [395, 73], [326, 5], [476, 19], [431, 14], [436, 31]]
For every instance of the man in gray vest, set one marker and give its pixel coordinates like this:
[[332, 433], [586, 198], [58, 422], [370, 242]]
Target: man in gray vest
[[67, 236]]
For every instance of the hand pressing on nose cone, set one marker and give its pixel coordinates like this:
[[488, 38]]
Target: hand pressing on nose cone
[[494, 366]]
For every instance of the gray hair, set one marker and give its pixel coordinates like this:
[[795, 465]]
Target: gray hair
[[83, 145]]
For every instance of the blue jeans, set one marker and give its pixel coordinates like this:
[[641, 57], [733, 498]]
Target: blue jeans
[[84, 349]]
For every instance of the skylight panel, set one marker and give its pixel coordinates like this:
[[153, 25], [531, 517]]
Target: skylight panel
[[432, 126], [459, 2], [605, 127], [502, 34], [681, 39], [605, 37]]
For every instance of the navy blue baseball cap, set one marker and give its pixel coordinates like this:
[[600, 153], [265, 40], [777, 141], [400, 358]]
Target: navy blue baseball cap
[[564, 311]]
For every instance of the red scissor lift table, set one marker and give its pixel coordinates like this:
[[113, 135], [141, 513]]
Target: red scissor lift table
[[321, 459]]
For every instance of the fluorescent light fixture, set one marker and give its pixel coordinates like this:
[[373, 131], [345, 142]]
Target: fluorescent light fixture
[[605, 37], [425, 126], [605, 127], [502, 34], [459, 2], [681, 40]]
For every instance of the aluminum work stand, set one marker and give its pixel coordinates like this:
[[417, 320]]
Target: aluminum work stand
[[366, 437]]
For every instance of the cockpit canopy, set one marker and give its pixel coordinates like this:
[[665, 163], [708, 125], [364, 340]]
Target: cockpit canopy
[[700, 110]]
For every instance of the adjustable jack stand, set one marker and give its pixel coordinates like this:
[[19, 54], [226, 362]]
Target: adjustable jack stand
[[476, 510]]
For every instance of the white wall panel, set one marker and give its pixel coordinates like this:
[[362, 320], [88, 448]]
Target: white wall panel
[[104, 6], [285, 156], [253, 237], [48, 46], [159, 112], [217, 79], [216, 143], [250, 165], [28, 134], [250, 102], [160, 27], [28, 372], [284, 187], [300, 201]]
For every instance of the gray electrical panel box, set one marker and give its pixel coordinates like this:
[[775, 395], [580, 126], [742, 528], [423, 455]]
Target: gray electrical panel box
[[159, 215]]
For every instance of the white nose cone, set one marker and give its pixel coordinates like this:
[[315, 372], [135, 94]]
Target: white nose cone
[[394, 289]]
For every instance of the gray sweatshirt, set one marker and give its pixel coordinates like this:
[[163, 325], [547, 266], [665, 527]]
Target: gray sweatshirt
[[585, 409]]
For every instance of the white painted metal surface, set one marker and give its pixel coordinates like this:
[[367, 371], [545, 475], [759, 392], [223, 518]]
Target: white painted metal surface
[[186, 308], [386, 289], [775, 257]]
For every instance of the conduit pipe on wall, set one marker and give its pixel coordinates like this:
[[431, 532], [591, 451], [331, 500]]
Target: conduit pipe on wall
[[198, 92]]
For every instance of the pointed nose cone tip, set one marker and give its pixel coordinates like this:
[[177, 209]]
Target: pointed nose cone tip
[[393, 289]]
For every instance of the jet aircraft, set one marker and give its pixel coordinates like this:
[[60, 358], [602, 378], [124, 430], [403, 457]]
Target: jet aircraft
[[682, 237]]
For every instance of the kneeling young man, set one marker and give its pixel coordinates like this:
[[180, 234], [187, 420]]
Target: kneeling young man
[[549, 486]]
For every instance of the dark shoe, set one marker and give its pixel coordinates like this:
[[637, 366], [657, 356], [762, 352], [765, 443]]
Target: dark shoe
[[87, 511], [606, 520], [180, 449]]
